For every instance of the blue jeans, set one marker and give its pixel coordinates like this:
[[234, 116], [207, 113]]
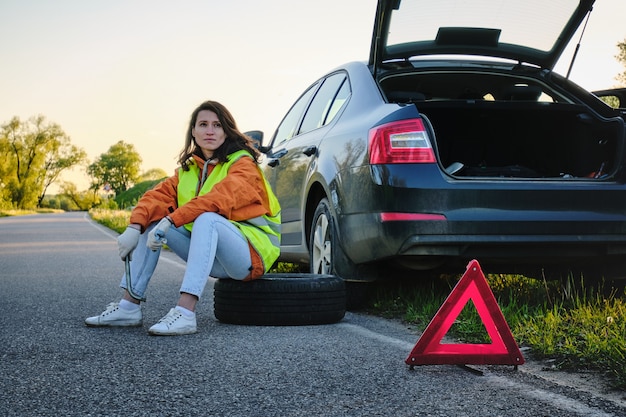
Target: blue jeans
[[215, 248]]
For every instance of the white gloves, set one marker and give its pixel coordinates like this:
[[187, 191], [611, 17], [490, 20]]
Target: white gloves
[[156, 237], [127, 242]]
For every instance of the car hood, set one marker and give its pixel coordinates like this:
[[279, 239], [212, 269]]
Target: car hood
[[530, 31]]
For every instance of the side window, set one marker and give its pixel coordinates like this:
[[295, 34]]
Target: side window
[[612, 101], [342, 96], [324, 103], [289, 125]]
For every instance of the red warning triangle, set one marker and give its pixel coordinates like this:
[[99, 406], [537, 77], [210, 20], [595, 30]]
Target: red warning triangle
[[502, 350]]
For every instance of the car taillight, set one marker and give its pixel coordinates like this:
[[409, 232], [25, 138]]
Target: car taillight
[[401, 142]]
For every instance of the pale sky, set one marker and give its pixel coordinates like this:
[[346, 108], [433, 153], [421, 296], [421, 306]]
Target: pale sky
[[134, 70]]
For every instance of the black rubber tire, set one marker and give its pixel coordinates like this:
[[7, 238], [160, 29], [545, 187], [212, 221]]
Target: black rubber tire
[[281, 300], [327, 257]]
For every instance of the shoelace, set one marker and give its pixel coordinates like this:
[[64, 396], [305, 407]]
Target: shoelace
[[111, 307], [171, 317]]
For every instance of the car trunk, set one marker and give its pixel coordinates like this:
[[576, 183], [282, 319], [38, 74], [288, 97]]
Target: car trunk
[[502, 127], [523, 139]]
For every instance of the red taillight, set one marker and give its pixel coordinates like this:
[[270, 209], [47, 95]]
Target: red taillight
[[401, 142]]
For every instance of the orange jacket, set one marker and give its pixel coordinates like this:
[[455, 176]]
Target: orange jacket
[[239, 196]]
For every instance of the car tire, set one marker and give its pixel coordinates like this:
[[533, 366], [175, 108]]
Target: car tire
[[327, 257], [281, 300]]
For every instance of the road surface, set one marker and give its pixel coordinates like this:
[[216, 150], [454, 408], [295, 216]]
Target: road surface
[[57, 269]]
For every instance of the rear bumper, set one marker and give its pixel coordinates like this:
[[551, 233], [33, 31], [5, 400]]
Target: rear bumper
[[499, 222], [513, 246]]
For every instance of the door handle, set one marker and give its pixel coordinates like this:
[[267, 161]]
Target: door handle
[[276, 156], [280, 154], [309, 151]]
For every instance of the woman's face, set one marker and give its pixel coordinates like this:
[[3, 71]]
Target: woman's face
[[208, 132]]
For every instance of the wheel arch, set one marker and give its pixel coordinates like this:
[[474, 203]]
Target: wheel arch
[[315, 195]]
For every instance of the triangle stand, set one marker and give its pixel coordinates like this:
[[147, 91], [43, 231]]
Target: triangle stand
[[502, 350]]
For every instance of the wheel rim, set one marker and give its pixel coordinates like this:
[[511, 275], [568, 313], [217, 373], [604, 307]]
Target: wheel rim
[[322, 248]]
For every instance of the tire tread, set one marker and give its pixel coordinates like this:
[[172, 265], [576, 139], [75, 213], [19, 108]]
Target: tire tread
[[281, 299]]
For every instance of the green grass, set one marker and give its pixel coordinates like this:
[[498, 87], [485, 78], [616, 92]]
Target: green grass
[[113, 219], [586, 332], [580, 328], [8, 213]]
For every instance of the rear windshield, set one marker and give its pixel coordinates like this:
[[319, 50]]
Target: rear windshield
[[531, 23]]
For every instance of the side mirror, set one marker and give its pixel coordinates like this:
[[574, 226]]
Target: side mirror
[[257, 138]]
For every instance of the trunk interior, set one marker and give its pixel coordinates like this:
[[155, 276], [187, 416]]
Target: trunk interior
[[522, 139], [511, 129]]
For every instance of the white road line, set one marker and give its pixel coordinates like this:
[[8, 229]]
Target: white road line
[[556, 400], [569, 405], [112, 235], [377, 336]]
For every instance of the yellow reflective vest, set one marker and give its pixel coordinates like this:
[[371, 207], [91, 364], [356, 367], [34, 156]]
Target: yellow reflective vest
[[262, 232]]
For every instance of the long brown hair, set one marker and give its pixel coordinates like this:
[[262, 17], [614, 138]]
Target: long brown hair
[[235, 140]]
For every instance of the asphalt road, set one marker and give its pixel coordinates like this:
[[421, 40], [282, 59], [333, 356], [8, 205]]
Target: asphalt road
[[57, 269]]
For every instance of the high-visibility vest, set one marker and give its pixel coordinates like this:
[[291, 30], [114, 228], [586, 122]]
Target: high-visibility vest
[[262, 232]]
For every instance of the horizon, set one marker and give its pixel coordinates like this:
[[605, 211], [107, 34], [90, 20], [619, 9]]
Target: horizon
[[106, 71]]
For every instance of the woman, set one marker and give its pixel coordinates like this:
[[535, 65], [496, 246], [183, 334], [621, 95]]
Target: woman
[[217, 212]]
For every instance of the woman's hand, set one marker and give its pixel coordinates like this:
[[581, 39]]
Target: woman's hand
[[156, 236], [127, 242]]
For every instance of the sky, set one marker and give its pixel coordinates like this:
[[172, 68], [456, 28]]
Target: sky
[[134, 70]]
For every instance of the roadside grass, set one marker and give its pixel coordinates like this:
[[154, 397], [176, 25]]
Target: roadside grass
[[8, 213], [583, 331], [113, 219], [577, 327]]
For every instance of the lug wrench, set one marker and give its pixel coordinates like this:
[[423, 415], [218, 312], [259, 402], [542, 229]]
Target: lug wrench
[[129, 286]]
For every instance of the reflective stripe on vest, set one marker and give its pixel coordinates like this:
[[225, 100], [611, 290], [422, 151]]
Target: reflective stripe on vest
[[262, 232]]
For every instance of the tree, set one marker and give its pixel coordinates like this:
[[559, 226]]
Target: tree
[[82, 200], [34, 154], [117, 168], [61, 158], [621, 57]]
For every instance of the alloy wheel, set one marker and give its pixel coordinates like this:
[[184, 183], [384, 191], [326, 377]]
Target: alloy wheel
[[321, 259]]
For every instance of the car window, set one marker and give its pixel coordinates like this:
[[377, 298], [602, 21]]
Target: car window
[[288, 127], [324, 103], [537, 24], [612, 101], [342, 96]]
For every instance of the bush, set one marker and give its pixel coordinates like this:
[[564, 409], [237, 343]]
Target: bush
[[130, 197]]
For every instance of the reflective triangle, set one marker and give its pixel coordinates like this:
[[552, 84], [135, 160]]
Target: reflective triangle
[[502, 350]]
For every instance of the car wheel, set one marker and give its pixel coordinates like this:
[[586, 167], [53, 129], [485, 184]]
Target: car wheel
[[327, 257], [281, 300], [321, 240]]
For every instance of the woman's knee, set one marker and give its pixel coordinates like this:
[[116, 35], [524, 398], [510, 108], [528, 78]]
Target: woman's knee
[[208, 218]]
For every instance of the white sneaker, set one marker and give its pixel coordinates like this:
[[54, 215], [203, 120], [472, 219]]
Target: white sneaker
[[174, 323], [114, 316]]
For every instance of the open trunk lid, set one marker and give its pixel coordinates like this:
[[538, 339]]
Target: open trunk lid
[[531, 31]]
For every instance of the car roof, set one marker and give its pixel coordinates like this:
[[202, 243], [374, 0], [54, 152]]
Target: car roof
[[530, 31]]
